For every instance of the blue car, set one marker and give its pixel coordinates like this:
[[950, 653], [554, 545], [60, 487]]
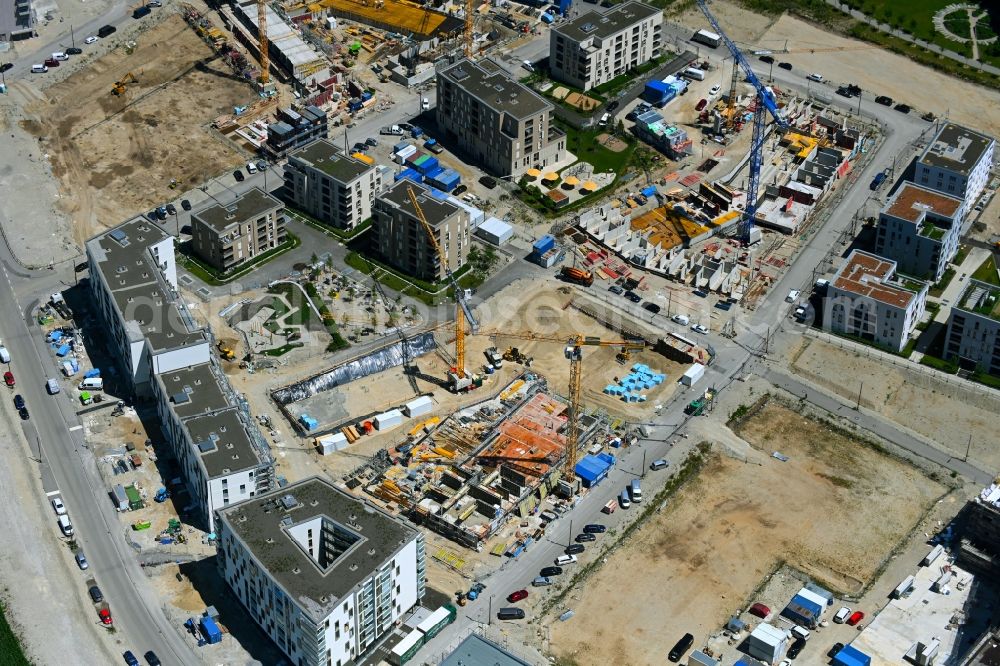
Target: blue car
[[130, 658]]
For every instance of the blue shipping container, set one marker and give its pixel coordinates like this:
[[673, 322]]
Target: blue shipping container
[[544, 244], [547, 18], [656, 92], [428, 165], [412, 174], [210, 630], [447, 179]]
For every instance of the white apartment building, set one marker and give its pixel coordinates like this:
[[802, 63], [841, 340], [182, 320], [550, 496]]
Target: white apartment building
[[325, 574], [166, 357], [918, 228], [865, 300], [335, 188], [956, 162], [973, 338], [596, 47]]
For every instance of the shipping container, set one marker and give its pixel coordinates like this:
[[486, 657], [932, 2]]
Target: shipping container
[[428, 164], [419, 406], [707, 38], [327, 444], [210, 630], [405, 649], [932, 556], [411, 174], [435, 622], [693, 374], [415, 158], [387, 420], [543, 244], [405, 153], [903, 588], [119, 497]]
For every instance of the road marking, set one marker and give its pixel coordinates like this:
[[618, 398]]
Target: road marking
[[79, 427], [53, 492]]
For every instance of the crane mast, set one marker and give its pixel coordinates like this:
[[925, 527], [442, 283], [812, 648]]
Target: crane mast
[[265, 60]]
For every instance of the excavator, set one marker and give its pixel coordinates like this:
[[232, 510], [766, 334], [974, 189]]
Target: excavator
[[225, 351], [122, 84]]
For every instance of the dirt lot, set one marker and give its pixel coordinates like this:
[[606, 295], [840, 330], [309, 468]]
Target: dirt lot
[[834, 510], [115, 156], [941, 412]]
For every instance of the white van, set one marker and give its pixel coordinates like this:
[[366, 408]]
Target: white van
[[793, 296], [251, 167], [605, 118], [623, 500], [635, 491], [92, 384], [39, 69], [565, 559], [59, 55], [683, 320], [65, 525], [800, 632], [694, 73], [818, 78], [52, 386], [4, 355], [425, 104]]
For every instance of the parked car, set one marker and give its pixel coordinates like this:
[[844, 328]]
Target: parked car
[[461, 189], [550, 571], [171, 209], [793, 295], [510, 614], [842, 615], [818, 78], [541, 581], [8, 378], [785, 65], [130, 658], [514, 597], [615, 289], [658, 464], [833, 651], [563, 560], [702, 103], [796, 648], [90, 40], [359, 147], [105, 615], [766, 59], [715, 90], [594, 528], [856, 617], [613, 104], [680, 647], [698, 328], [185, 204], [902, 108], [23, 413], [844, 92], [759, 610], [700, 293], [883, 100], [57, 504], [632, 296], [652, 307], [81, 560], [488, 182], [681, 319], [74, 50], [580, 538], [575, 549], [95, 594], [106, 31], [238, 175], [18, 401]]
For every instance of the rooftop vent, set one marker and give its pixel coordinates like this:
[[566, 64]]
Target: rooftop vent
[[120, 237], [588, 28], [289, 502], [206, 446], [296, 571], [353, 567], [180, 398], [371, 551], [287, 521]]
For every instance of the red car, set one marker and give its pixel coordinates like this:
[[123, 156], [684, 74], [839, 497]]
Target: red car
[[8, 378], [760, 610], [105, 615], [51, 62], [856, 617], [517, 596], [701, 105]]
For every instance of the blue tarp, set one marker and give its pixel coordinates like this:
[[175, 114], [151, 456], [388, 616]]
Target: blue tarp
[[649, 191], [96, 372], [592, 469], [62, 351], [851, 656]]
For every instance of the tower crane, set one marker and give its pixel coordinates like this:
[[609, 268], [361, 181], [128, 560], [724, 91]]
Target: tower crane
[[766, 104], [574, 353], [265, 59], [463, 312], [470, 6]]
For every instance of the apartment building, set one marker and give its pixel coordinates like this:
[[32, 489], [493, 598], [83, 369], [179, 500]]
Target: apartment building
[[865, 300], [919, 229], [501, 124], [596, 47], [956, 162], [335, 188], [166, 358], [226, 236], [973, 338], [325, 574], [399, 239], [17, 20], [294, 129]]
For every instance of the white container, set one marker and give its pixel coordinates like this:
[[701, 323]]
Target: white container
[[327, 444], [419, 406], [903, 588], [693, 374], [67, 368], [935, 553], [388, 420], [405, 152]]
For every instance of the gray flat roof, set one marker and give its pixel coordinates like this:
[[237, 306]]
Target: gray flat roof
[[493, 86], [607, 24], [134, 280], [258, 523], [324, 156], [250, 205], [232, 451], [194, 391], [956, 148], [435, 210], [478, 651]]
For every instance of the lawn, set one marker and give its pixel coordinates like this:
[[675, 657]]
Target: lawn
[[987, 272], [583, 144], [11, 653], [211, 276]]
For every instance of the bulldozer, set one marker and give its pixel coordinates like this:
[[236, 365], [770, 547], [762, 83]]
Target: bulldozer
[[225, 351], [515, 355], [122, 84]]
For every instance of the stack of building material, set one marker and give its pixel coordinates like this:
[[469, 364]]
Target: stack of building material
[[309, 422]]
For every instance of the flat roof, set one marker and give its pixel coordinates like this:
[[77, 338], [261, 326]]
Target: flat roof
[[194, 390], [222, 442], [435, 210], [263, 525], [478, 651], [956, 148], [493, 86], [251, 204], [607, 24], [324, 156], [133, 277], [981, 298], [866, 274], [912, 202]]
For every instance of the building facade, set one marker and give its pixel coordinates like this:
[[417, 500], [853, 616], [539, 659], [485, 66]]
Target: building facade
[[17, 20], [500, 123], [226, 236], [165, 357], [399, 239], [919, 229], [596, 47], [865, 300], [325, 574], [957, 162], [335, 188], [973, 338]]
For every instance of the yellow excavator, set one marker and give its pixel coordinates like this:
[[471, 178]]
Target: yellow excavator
[[225, 351], [122, 84]]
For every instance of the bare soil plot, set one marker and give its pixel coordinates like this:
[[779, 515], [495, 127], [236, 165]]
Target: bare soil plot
[[115, 156], [836, 509]]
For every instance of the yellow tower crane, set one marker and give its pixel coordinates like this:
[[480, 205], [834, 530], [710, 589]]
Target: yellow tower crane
[[463, 312], [574, 353], [470, 6], [265, 60]]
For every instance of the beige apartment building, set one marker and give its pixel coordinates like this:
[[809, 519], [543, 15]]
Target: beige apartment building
[[225, 236]]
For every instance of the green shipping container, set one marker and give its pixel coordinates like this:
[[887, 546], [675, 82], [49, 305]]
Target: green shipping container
[[134, 498]]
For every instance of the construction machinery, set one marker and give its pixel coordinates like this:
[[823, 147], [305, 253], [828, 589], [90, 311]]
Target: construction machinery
[[574, 353], [766, 104], [265, 60], [121, 85], [225, 351], [458, 377], [514, 355], [701, 405]]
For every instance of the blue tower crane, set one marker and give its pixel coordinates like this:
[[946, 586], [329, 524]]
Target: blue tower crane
[[766, 104]]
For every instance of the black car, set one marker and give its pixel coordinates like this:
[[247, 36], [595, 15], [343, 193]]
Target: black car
[[796, 648], [766, 59], [18, 401], [488, 182], [843, 92], [360, 147], [461, 189], [652, 307], [632, 296], [106, 31], [724, 305], [575, 549], [152, 215], [238, 175], [580, 538], [74, 50], [785, 65], [152, 659], [832, 652], [700, 293], [185, 204], [95, 594], [24, 413], [550, 571], [171, 209], [854, 89], [371, 141], [130, 658], [5, 66], [594, 529], [682, 646], [902, 108], [883, 100], [612, 105], [616, 290]]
